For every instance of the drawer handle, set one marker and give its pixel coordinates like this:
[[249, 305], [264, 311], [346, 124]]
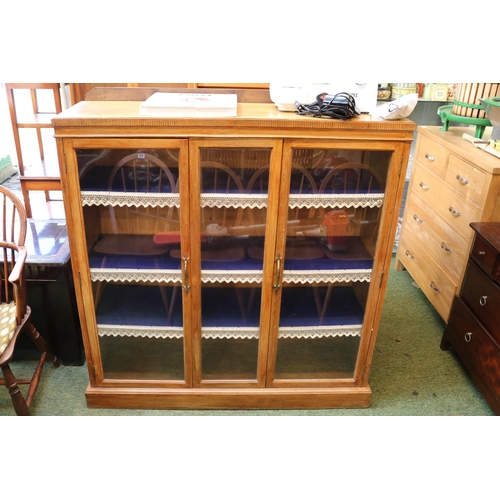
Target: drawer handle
[[418, 219], [424, 186], [454, 212], [408, 254], [445, 248], [468, 336], [481, 253], [433, 286], [462, 180], [429, 157], [483, 299]]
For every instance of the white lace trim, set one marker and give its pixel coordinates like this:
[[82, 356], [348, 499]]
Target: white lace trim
[[312, 332], [167, 332], [230, 333], [176, 332], [216, 200], [237, 276], [327, 276], [172, 332], [115, 199], [136, 275], [336, 200]]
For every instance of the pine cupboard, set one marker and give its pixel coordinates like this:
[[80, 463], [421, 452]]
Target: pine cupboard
[[452, 184], [229, 262]]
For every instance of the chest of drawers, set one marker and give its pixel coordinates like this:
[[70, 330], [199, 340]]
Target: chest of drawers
[[473, 328], [452, 184]]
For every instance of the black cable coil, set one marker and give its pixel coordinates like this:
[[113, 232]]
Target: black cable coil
[[340, 106]]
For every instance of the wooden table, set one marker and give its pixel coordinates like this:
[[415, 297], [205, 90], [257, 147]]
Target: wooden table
[[50, 290]]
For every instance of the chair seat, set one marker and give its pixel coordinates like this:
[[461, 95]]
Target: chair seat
[[8, 324]]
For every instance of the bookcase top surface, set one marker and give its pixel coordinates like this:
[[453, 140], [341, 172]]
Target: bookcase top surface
[[253, 115]]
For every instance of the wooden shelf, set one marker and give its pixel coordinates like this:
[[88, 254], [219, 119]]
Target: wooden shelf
[[40, 120], [34, 181]]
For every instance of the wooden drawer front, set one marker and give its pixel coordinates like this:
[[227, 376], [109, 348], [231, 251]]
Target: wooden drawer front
[[437, 286], [449, 204], [466, 178], [483, 298], [449, 247], [475, 345], [486, 257], [432, 155]]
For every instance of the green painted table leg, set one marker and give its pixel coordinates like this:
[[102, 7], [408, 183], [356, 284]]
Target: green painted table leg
[[479, 131]]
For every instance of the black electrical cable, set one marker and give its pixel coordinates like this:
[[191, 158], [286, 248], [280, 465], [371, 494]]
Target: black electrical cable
[[340, 106]]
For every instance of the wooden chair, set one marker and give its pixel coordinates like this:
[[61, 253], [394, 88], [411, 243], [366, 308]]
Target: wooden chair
[[220, 178], [354, 178], [14, 312], [131, 235], [301, 182], [351, 178]]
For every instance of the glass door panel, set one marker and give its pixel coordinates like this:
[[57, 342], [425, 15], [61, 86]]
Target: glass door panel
[[131, 210], [333, 213], [233, 213]]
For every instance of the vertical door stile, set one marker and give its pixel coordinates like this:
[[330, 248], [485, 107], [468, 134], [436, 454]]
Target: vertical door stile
[[266, 316], [184, 195], [279, 201], [194, 310]]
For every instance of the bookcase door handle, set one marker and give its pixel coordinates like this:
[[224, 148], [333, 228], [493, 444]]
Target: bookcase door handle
[[185, 275], [277, 284]]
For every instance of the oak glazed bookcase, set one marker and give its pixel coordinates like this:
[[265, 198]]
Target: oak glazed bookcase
[[229, 262]]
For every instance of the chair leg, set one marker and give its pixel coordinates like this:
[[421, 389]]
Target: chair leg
[[172, 303], [41, 344], [98, 292], [241, 303], [164, 298], [20, 406], [100, 285], [326, 303]]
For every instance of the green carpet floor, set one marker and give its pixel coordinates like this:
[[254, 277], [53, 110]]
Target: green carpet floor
[[410, 375]]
